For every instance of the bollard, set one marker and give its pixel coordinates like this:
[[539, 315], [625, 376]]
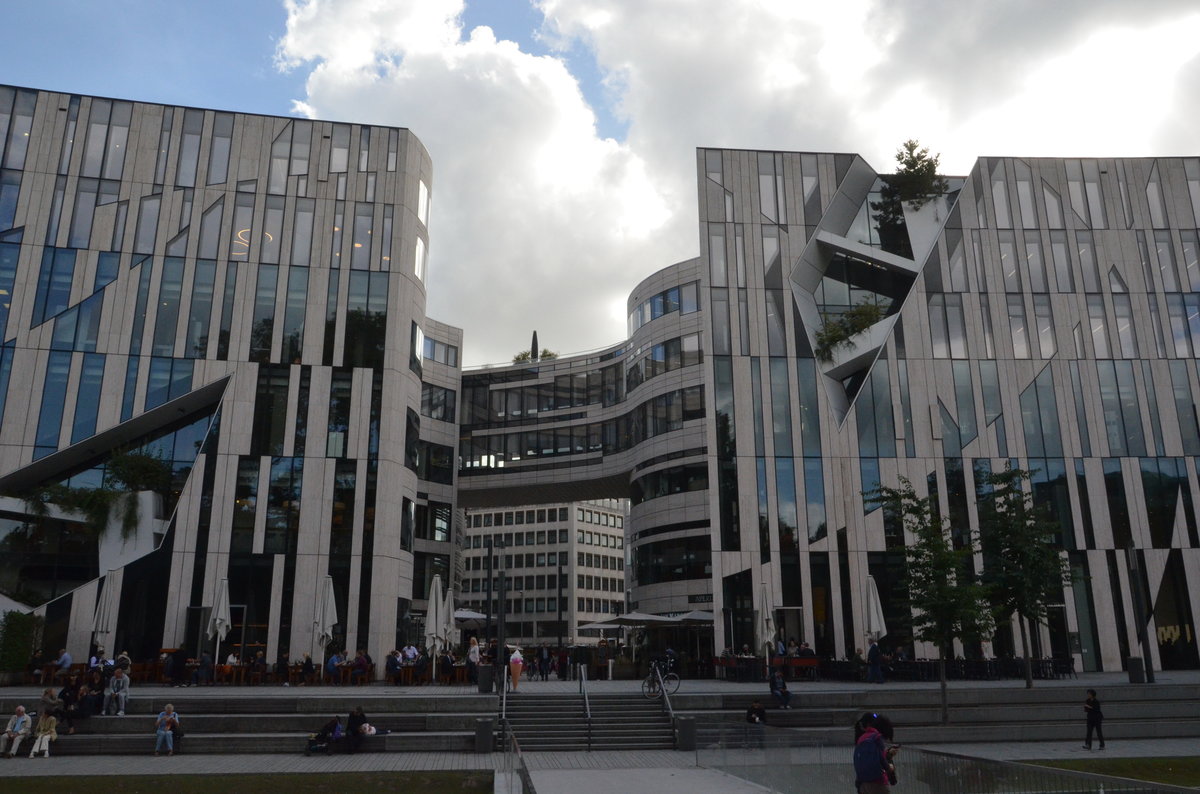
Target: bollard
[[685, 733], [1137, 670], [485, 734]]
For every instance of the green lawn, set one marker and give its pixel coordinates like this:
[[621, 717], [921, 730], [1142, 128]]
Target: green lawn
[[424, 782], [1183, 771]]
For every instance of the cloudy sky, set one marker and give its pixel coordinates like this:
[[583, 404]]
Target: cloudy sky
[[563, 132]]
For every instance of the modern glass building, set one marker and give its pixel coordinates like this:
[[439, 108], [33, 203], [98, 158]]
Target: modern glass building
[[1042, 312], [224, 313]]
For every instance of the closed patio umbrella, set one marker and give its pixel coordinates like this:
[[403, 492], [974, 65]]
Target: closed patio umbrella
[[220, 620], [327, 615], [104, 619], [434, 625], [876, 625]]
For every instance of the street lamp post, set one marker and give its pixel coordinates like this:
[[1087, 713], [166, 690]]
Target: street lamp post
[[560, 605]]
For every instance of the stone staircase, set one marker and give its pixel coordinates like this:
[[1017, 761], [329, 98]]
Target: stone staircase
[[559, 723], [275, 724]]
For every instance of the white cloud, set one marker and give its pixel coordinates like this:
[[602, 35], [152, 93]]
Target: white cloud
[[539, 222]]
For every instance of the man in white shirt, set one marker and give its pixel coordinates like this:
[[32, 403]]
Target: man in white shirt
[[64, 662], [410, 652], [16, 731]]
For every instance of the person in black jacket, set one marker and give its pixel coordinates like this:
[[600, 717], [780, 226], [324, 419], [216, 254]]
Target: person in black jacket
[[1095, 719], [354, 728], [756, 718]]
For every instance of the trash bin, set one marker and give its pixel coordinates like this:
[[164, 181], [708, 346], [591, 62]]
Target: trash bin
[[485, 735], [1137, 670], [487, 678], [685, 733]]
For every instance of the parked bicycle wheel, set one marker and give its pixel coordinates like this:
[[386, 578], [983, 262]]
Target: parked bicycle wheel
[[671, 683], [650, 688]]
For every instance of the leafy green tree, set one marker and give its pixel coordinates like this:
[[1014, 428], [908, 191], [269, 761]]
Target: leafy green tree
[[947, 600], [525, 355], [916, 180], [1023, 569], [915, 183]]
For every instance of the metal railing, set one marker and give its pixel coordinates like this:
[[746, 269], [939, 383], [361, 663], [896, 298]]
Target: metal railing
[[513, 774], [782, 761], [662, 687], [587, 703], [504, 697]]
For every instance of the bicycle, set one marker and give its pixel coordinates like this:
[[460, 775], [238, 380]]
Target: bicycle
[[657, 682]]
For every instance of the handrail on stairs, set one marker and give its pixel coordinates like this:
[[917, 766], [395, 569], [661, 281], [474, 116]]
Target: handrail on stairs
[[662, 687], [587, 705], [503, 696]]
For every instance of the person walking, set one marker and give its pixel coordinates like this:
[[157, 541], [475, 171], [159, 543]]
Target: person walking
[[874, 760], [1095, 720], [874, 663], [473, 661]]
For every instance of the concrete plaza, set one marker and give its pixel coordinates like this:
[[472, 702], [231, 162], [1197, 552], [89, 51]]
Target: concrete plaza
[[664, 772]]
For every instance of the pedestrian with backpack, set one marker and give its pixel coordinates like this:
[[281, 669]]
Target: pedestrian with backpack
[[874, 758]]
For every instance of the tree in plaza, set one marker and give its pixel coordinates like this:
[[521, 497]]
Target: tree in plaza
[[1023, 569], [947, 599]]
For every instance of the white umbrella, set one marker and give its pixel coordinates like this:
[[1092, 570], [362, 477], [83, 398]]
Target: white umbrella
[[433, 618], [220, 621], [767, 626], [327, 614], [697, 616], [104, 620], [876, 625], [469, 618], [600, 626], [433, 613], [641, 619]]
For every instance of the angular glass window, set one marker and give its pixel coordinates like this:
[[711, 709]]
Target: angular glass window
[[1062, 261], [1098, 323], [1018, 326], [1035, 263], [360, 257], [1165, 251], [147, 224], [1044, 320], [189, 148], [242, 231], [1154, 199], [218, 153], [302, 231], [272, 237], [1086, 250], [1000, 196], [339, 151], [1009, 261]]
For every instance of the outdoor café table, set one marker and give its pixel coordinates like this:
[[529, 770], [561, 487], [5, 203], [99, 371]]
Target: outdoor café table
[[748, 668], [460, 672], [807, 666]]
